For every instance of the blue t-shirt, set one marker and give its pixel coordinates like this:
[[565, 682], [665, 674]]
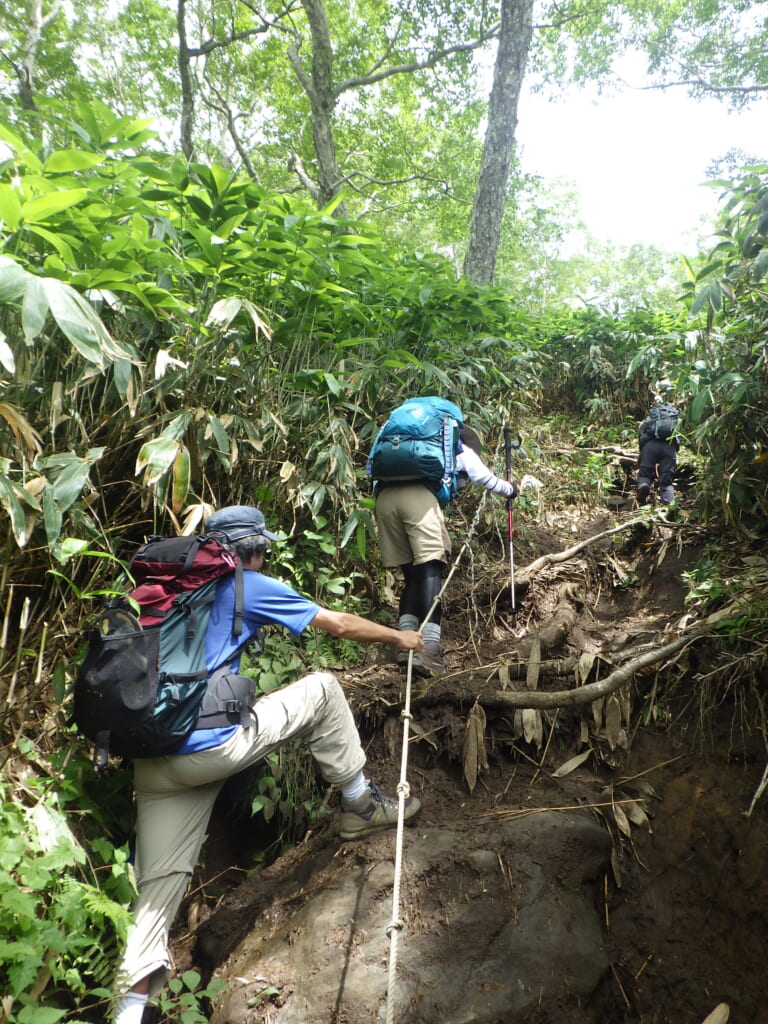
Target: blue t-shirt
[[265, 602]]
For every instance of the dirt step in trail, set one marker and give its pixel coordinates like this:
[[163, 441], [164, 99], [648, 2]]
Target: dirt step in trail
[[518, 892], [596, 872]]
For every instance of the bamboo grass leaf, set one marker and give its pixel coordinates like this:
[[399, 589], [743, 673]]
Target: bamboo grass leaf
[[12, 506], [155, 458]]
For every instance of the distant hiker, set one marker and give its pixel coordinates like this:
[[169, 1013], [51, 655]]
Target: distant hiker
[[659, 445], [175, 793], [421, 458]]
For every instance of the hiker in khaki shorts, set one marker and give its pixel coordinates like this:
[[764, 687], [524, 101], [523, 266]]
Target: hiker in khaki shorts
[[413, 536], [175, 794]]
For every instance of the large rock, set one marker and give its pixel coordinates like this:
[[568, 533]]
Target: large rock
[[499, 920]]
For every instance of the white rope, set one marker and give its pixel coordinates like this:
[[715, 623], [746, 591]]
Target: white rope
[[396, 925]]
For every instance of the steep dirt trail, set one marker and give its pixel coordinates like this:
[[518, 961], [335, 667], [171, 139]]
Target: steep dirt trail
[[596, 856]]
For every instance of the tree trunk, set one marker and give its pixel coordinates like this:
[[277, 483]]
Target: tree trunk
[[322, 99], [25, 72], [187, 88], [490, 196]]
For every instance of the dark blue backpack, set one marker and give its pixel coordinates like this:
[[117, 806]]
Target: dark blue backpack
[[419, 442], [661, 422]]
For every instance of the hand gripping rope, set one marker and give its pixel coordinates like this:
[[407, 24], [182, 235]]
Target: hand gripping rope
[[396, 925]]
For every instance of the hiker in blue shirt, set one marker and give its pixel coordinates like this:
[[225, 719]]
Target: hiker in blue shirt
[[659, 445], [176, 793], [412, 535]]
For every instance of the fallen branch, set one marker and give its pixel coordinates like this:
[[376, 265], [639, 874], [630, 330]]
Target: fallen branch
[[593, 691], [524, 574]]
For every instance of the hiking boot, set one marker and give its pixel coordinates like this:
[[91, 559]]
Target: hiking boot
[[643, 490], [429, 662], [372, 812], [667, 495], [401, 657]]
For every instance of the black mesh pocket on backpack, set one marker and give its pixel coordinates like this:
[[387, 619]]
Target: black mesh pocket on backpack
[[117, 682]]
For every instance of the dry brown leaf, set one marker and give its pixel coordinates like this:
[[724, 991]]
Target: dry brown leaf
[[584, 667], [622, 820], [504, 676], [533, 728], [625, 699], [640, 785], [572, 764], [615, 867], [420, 734], [612, 720], [719, 1015], [583, 732], [637, 815], [534, 664], [474, 755], [597, 711]]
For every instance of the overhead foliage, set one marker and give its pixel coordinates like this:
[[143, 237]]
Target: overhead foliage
[[728, 380], [379, 106]]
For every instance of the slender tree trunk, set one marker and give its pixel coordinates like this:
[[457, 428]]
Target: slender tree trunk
[[25, 71], [322, 99], [490, 197], [187, 84]]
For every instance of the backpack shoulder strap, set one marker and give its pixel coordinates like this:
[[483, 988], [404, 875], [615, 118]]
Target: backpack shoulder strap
[[237, 619]]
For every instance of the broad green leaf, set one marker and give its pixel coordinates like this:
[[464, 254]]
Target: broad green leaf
[[7, 358], [59, 241], [52, 517], [13, 507], [34, 1013], [23, 153], [334, 386], [71, 546], [10, 207], [220, 434], [34, 309], [122, 370], [76, 319], [72, 160], [13, 280], [181, 477], [68, 484], [155, 458], [42, 207]]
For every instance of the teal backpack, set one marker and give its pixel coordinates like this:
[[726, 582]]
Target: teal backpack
[[419, 442]]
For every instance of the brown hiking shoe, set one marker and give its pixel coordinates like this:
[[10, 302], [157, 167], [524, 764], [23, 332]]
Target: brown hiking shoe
[[372, 812], [429, 662]]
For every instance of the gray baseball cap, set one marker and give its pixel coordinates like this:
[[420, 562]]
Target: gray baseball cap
[[238, 521]]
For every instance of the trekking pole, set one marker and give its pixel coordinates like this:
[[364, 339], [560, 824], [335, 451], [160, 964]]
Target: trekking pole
[[508, 459]]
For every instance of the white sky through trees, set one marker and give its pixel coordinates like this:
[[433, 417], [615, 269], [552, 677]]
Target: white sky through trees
[[638, 158]]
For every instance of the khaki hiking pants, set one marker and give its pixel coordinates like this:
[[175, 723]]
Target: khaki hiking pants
[[175, 796]]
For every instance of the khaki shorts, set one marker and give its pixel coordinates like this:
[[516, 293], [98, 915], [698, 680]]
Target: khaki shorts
[[411, 526]]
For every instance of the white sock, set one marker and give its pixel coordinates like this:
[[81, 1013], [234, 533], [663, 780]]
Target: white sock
[[130, 1008], [350, 791]]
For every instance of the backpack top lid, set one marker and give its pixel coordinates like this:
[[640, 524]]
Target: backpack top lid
[[428, 405]]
